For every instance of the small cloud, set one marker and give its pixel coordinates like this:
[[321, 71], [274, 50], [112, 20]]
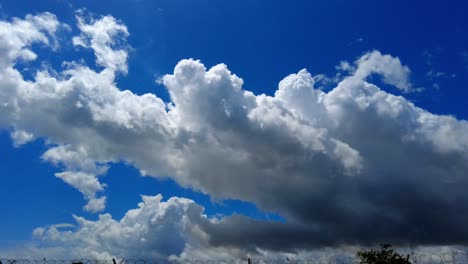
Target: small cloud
[[21, 137], [159, 79], [357, 41], [345, 66]]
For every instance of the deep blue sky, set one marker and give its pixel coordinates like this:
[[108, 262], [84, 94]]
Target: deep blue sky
[[260, 41]]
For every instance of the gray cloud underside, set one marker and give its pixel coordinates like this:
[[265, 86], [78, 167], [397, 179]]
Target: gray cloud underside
[[355, 165]]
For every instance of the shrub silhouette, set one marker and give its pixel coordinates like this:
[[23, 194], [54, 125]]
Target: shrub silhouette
[[386, 255]]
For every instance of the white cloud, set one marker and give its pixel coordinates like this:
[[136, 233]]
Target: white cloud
[[82, 181], [73, 159], [17, 35], [88, 185], [155, 229], [102, 36], [390, 68], [21, 137], [299, 152], [81, 173]]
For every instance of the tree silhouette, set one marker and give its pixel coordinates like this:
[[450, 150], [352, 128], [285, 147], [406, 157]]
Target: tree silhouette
[[386, 255]]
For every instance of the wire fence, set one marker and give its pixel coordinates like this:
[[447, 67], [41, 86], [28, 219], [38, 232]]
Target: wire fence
[[423, 258]]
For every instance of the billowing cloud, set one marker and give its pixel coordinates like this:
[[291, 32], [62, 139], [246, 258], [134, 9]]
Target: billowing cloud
[[355, 165], [173, 229], [155, 229], [178, 230]]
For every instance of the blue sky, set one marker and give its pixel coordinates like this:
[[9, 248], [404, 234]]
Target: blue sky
[[262, 42]]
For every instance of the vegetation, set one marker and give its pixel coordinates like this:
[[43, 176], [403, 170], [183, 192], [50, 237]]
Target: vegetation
[[385, 255]]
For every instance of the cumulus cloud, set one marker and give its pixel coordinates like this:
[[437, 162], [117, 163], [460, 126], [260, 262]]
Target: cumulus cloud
[[81, 172], [102, 36], [18, 34], [355, 165], [390, 68], [21, 137], [178, 230], [155, 229]]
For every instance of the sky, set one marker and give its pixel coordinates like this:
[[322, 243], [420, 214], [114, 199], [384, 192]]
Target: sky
[[221, 129]]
